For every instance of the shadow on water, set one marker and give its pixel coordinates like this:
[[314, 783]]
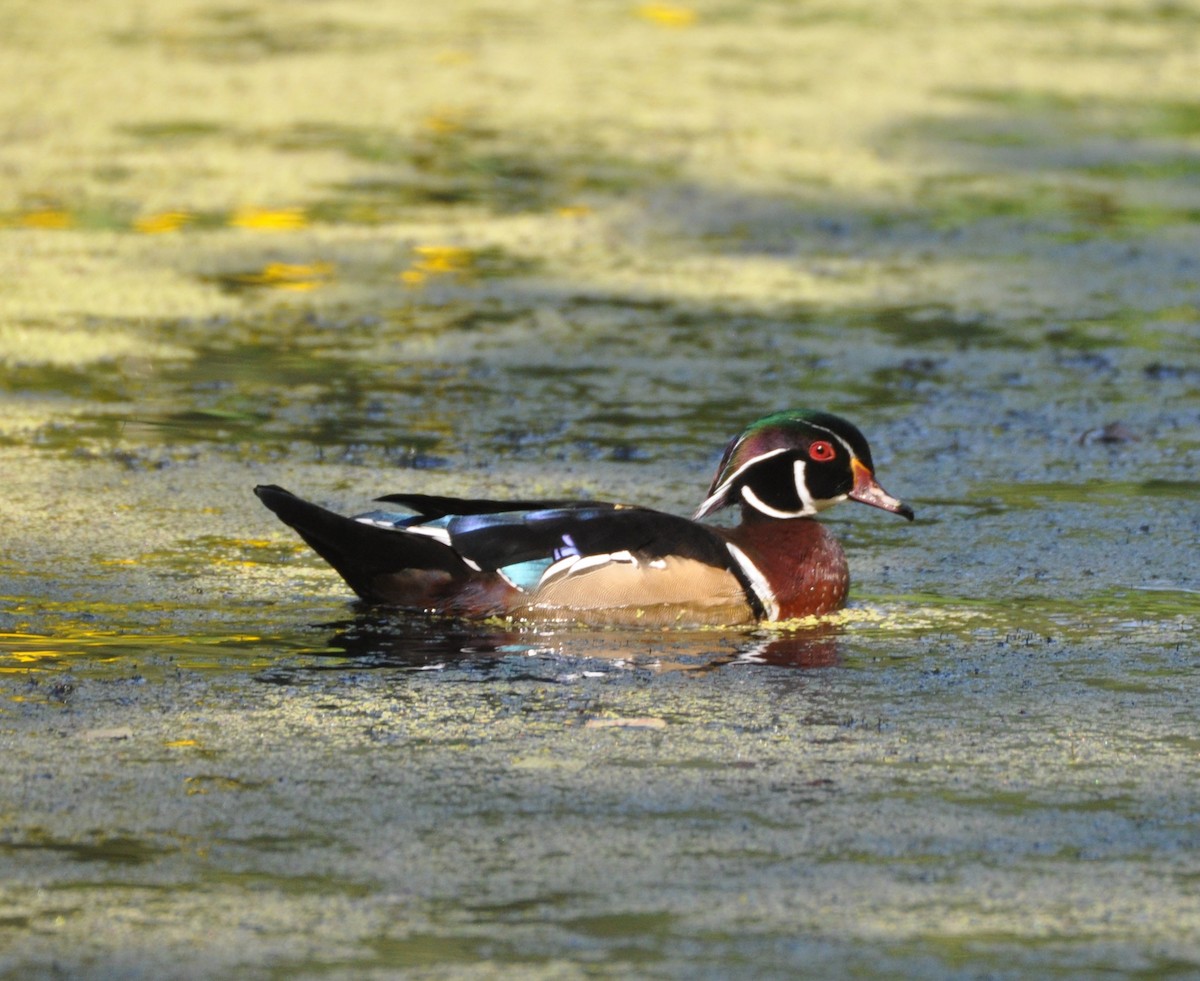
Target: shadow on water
[[373, 641]]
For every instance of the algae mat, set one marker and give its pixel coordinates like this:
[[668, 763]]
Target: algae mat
[[569, 249]]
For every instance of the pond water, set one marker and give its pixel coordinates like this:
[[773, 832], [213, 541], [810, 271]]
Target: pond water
[[216, 762]]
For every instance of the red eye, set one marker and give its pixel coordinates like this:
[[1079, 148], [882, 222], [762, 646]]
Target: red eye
[[821, 452]]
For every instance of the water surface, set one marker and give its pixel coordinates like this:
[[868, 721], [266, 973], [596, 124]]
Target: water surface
[[458, 264]]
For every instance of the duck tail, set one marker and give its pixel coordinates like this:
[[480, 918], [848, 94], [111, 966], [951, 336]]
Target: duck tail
[[366, 556]]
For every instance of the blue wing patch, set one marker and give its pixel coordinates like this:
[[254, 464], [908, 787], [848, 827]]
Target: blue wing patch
[[526, 575]]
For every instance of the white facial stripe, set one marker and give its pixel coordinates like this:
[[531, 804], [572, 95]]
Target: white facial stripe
[[758, 582], [723, 487], [802, 488], [845, 445], [759, 505], [812, 504]]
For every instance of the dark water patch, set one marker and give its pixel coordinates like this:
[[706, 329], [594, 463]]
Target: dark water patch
[[176, 130], [1071, 167], [1167, 13], [242, 34], [939, 327], [1075, 115], [100, 846], [104, 382], [430, 950], [1050, 207], [973, 952], [604, 380], [415, 643], [282, 883], [1171, 168], [1037, 494], [458, 159]]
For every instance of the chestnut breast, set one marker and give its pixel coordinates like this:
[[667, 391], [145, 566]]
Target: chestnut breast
[[800, 559]]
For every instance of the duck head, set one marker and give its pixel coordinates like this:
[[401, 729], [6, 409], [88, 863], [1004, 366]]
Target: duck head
[[794, 464]]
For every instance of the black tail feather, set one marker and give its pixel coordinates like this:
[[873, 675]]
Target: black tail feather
[[361, 553]]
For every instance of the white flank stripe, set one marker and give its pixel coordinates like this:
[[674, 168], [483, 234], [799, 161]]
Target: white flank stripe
[[758, 581]]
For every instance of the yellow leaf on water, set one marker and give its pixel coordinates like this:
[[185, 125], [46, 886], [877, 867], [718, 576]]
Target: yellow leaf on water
[[667, 14], [164, 221], [443, 258], [48, 218], [437, 260], [287, 275], [269, 220]]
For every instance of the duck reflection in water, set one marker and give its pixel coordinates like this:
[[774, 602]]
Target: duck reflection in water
[[372, 640]]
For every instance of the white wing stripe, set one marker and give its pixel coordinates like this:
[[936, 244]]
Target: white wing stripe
[[573, 565], [429, 531]]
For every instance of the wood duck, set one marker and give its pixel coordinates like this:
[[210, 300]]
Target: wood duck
[[616, 563]]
